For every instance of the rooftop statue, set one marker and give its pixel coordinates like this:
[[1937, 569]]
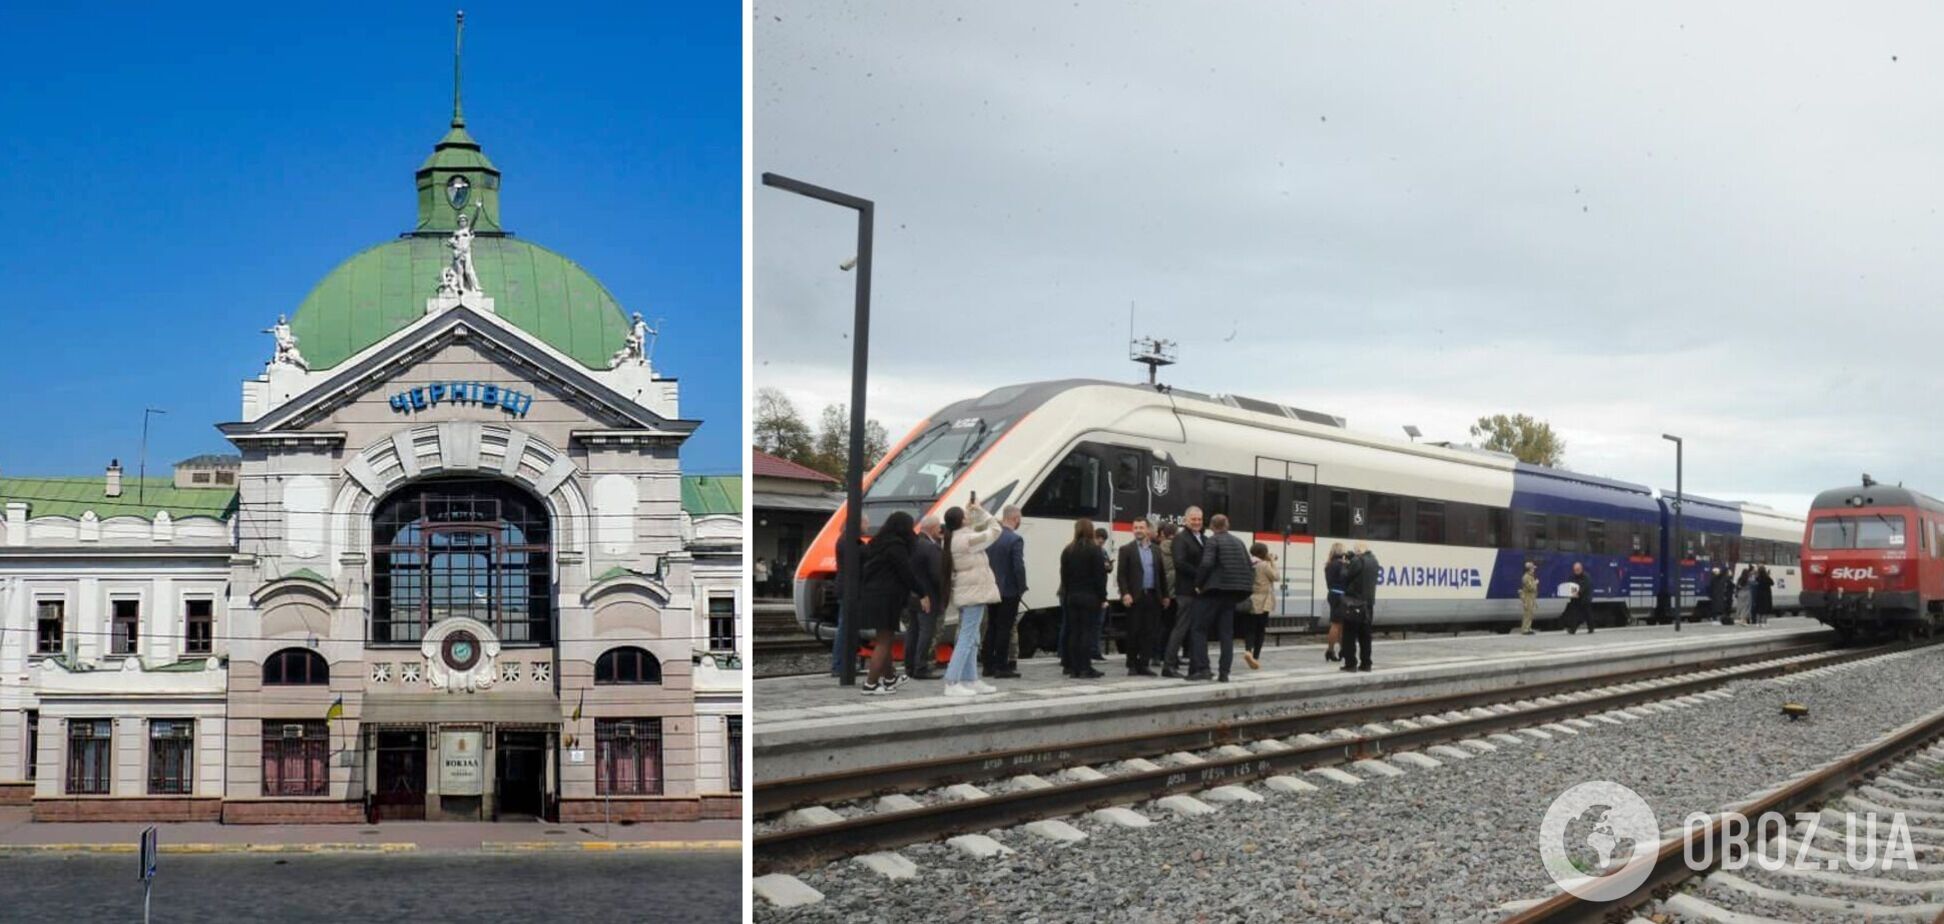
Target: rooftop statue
[[460, 278], [636, 348], [287, 353]]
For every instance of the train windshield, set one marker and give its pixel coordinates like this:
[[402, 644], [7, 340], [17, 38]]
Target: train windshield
[[927, 465], [1876, 531]]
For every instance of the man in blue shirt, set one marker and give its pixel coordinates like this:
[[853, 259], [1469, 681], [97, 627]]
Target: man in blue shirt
[[1007, 556], [1143, 591]]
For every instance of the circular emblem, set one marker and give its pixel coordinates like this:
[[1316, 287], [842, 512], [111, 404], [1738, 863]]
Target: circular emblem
[[461, 651], [458, 190], [1603, 816]]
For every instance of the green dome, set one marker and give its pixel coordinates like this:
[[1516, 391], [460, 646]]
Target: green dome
[[381, 290]]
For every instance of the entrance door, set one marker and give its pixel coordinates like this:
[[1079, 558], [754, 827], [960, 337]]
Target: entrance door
[[1288, 527], [401, 776], [520, 773]]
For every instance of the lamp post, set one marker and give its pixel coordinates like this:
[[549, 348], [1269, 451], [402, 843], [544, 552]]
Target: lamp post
[[1680, 537], [849, 542]]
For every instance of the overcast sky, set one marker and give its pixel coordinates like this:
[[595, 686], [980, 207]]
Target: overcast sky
[[1628, 219]]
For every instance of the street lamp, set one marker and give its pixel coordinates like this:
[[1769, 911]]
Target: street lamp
[[849, 543], [1680, 537]]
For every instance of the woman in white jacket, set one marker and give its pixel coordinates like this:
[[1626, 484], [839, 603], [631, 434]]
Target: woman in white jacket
[[966, 582]]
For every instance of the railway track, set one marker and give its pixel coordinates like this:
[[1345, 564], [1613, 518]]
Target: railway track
[[1277, 747], [1805, 863]]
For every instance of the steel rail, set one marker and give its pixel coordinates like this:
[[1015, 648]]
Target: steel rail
[[1670, 862], [783, 795], [800, 848]]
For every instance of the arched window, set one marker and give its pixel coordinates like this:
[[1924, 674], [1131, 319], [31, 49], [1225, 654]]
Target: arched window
[[627, 665], [296, 666], [461, 547]]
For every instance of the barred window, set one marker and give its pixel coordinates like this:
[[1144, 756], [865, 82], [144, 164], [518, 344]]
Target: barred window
[[735, 753], [91, 756], [722, 623], [172, 743], [127, 626], [296, 758], [33, 742], [627, 757], [50, 620], [296, 666], [199, 626]]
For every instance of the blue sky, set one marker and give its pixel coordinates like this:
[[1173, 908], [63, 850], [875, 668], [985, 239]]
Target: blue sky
[[171, 181]]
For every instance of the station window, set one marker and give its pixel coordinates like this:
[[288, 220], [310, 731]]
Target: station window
[[735, 753], [722, 623], [627, 665], [172, 743], [91, 756], [50, 621], [126, 626], [1430, 522], [627, 757], [296, 666], [1386, 517], [198, 626], [33, 742], [296, 758]]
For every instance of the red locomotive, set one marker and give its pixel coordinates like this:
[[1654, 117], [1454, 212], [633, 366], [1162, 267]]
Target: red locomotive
[[1873, 561]]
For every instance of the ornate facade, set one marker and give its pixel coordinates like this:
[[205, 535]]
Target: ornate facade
[[455, 578]]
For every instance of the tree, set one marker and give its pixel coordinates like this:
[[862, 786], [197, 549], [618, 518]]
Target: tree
[[1532, 441], [833, 442], [780, 431]]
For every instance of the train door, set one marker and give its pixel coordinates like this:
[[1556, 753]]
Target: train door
[[1288, 526]]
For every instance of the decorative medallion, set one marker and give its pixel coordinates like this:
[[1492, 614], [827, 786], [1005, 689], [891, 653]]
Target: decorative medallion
[[460, 656]]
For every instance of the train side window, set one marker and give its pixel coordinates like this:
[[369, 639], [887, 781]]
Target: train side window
[[1072, 490], [1127, 473], [1596, 537], [1386, 517], [1340, 514], [1275, 519], [1566, 533], [1498, 529], [1215, 495], [1534, 531], [1430, 522]]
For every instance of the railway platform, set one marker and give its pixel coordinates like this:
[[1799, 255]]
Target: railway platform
[[809, 725]]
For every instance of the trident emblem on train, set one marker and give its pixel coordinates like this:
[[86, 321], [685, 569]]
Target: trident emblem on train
[[1158, 480]]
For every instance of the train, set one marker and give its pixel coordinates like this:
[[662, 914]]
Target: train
[[1873, 561], [1452, 525]]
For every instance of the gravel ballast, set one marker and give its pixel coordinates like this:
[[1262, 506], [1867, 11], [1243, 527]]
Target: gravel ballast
[[1451, 843]]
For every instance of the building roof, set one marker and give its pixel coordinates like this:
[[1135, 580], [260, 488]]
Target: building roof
[[72, 497], [764, 465], [211, 460], [712, 495]]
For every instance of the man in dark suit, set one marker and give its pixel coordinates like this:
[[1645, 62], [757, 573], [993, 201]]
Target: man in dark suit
[[1360, 606], [1222, 582], [924, 611], [1187, 554], [1007, 556], [1143, 585]]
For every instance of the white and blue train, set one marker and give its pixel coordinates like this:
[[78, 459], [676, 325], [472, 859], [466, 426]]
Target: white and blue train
[[1452, 526]]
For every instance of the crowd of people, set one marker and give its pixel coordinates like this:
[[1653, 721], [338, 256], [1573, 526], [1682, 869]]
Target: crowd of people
[[1182, 586]]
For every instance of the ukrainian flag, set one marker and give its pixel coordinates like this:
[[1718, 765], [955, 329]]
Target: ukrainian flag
[[337, 709]]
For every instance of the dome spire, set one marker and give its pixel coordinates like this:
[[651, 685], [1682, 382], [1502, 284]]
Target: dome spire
[[458, 45]]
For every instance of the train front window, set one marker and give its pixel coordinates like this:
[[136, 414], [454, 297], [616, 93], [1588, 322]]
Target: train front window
[[1876, 531], [929, 464]]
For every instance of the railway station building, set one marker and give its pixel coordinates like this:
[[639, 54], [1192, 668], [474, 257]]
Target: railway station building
[[453, 571]]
